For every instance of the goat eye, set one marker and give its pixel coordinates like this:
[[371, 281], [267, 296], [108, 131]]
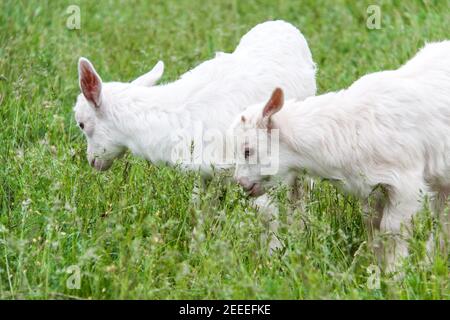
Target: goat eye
[[247, 153], [81, 125]]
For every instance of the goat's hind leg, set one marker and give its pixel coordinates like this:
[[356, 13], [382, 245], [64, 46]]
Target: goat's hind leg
[[373, 208], [396, 224], [440, 203]]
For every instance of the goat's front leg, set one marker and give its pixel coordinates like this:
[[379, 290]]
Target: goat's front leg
[[396, 223], [267, 206], [199, 187], [270, 213]]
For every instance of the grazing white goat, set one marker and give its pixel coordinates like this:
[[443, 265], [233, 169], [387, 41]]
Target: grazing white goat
[[184, 122], [388, 129], [150, 120]]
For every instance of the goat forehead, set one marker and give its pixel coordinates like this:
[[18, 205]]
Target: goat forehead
[[252, 114], [83, 112]]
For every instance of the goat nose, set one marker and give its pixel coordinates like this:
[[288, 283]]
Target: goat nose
[[244, 182], [92, 162]]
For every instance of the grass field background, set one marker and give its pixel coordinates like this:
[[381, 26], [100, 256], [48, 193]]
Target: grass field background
[[133, 232]]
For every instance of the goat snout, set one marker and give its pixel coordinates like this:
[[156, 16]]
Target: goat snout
[[243, 182], [99, 164], [252, 188]]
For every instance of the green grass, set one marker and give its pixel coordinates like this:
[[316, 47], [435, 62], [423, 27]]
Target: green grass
[[134, 231]]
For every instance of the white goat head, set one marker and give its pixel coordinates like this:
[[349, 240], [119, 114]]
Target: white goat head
[[260, 147], [93, 111]]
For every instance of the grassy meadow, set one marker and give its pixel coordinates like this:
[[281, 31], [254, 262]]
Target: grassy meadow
[[134, 232]]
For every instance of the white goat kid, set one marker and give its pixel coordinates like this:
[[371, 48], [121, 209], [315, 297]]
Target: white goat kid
[[388, 129], [157, 122]]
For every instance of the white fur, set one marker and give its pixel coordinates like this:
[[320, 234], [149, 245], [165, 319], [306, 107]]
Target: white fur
[[388, 129], [148, 120]]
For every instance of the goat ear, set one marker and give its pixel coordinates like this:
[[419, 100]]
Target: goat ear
[[152, 77], [90, 82], [274, 104]]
